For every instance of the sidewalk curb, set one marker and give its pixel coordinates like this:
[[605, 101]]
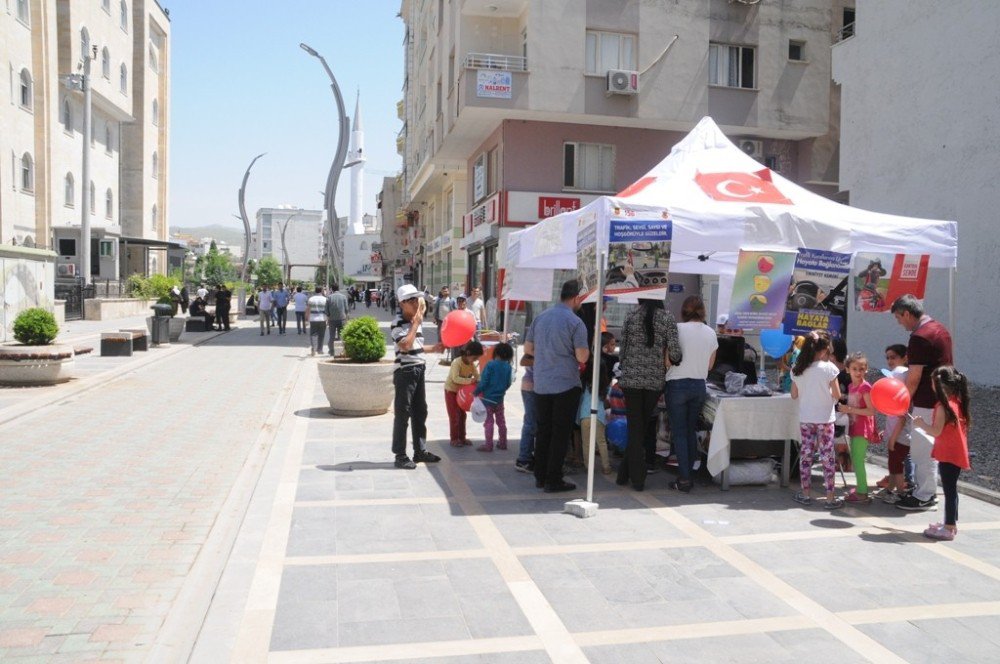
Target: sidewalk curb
[[971, 490], [83, 385]]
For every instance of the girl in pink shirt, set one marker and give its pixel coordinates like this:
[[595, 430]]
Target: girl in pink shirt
[[862, 427]]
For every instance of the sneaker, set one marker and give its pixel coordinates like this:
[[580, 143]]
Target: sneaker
[[681, 485], [560, 487], [802, 499], [651, 469], [466, 442], [891, 498], [485, 447], [914, 504], [939, 532], [524, 466], [405, 463], [501, 446], [423, 456], [833, 504]]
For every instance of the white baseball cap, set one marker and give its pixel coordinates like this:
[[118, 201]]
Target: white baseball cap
[[406, 292], [722, 319]]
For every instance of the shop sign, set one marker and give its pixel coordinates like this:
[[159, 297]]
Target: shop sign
[[550, 206], [492, 84], [479, 178], [486, 213]]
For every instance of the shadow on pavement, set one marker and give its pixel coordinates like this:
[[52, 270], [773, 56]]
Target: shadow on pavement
[[349, 466]]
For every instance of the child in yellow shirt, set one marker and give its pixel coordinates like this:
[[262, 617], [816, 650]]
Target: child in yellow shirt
[[464, 371]]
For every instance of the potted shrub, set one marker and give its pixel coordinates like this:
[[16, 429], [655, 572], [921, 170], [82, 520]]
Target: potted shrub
[[359, 383], [36, 361]]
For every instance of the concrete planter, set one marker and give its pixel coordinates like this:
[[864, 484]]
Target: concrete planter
[[176, 328], [36, 365], [357, 390]]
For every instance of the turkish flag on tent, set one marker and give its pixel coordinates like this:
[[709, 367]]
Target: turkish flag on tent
[[741, 187]]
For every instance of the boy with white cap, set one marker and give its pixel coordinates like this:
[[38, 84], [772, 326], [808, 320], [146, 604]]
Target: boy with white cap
[[408, 379]]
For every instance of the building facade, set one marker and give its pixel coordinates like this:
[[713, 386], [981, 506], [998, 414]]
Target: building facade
[[43, 189], [515, 110], [395, 251], [293, 237], [920, 138]]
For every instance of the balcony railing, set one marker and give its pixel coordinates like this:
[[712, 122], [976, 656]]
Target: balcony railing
[[495, 61], [845, 32]]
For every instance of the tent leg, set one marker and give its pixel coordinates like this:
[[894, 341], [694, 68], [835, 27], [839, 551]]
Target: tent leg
[[951, 300]]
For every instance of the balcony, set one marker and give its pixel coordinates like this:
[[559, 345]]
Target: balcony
[[495, 61], [401, 109]]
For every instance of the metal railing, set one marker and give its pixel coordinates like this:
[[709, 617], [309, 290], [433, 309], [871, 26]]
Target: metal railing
[[845, 32], [495, 61]]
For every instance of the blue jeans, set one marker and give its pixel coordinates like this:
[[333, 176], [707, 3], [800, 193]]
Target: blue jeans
[[685, 398], [527, 449]]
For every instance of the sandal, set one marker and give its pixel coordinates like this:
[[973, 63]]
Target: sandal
[[802, 499], [834, 504]]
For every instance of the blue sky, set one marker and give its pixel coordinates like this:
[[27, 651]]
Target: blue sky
[[240, 85]]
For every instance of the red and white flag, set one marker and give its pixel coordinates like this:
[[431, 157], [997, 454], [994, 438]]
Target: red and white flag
[[741, 187]]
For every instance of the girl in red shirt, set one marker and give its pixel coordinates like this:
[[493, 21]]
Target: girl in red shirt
[[951, 447]]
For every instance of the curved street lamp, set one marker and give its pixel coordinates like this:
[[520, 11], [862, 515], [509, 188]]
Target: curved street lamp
[[243, 216], [329, 195], [284, 247]]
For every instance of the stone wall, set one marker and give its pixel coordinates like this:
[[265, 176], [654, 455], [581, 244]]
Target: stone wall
[[27, 278]]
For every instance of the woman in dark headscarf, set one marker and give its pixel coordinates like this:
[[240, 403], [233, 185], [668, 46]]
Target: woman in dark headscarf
[[649, 346]]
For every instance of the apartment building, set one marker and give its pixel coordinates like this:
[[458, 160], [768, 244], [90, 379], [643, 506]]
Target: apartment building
[[42, 130], [921, 140], [292, 236], [515, 110], [395, 241]]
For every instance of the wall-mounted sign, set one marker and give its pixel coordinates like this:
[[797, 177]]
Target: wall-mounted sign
[[494, 84], [550, 206]]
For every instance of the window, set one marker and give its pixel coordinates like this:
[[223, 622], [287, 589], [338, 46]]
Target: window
[[106, 6], [155, 218], [70, 191], [156, 165], [22, 12], [107, 248], [25, 97], [67, 116], [609, 50], [108, 138], [67, 246], [123, 79], [109, 204], [27, 173], [153, 63], [796, 50], [524, 44], [731, 66], [124, 16], [106, 63], [156, 112], [589, 166], [493, 171], [84, 43], [93, 203]]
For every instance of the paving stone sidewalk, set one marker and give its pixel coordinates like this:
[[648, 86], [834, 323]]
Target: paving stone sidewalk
[[343, 558], [108, 498]]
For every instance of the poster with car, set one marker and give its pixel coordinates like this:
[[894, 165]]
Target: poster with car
[[817, 293], [638, 257], [881, 278], [760, 289]]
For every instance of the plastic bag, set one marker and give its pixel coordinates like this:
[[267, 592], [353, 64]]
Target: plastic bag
[[734, 382], [478, 411]]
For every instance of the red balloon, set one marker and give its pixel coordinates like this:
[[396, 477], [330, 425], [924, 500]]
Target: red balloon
[[458, 328], [465, 397], [890, 397]]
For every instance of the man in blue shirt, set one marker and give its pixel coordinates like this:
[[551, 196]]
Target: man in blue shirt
[[558, 341], [281, 298]]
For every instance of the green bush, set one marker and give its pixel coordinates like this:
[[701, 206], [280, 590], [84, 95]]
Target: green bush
[[35, 327], [150, 288], [363, 340]]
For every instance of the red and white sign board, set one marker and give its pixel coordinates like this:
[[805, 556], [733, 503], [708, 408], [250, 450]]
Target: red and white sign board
[[528, 207]]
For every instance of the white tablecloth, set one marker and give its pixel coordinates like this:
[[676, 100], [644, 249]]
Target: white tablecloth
[[750, 418]]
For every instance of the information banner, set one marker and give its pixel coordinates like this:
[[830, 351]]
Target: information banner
[[817, 295], [586, 253], [879, 279], [493, 84], [638, 256], [760, 289]]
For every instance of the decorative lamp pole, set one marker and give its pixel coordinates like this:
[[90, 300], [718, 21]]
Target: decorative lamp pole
[[245, 219], [330, 193], [284, 248]]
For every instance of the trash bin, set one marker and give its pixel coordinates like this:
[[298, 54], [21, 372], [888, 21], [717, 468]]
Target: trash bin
[[161, 324]]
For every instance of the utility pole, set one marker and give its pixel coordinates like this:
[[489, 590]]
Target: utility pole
[[82, 82]]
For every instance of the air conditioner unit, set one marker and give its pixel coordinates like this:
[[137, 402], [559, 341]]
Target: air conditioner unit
[[66, 270], [752, 148], [623, 82]]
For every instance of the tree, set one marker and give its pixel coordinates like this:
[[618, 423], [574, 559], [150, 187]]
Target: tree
[[268, 271]]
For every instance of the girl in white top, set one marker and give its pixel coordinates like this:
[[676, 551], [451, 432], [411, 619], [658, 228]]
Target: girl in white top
[[685, 392], [814, 384]]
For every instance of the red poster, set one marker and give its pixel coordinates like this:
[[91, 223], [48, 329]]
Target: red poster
[[909, 275], [877, 287]]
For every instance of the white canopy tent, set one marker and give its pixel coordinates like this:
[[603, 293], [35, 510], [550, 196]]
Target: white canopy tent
[[719, 201]]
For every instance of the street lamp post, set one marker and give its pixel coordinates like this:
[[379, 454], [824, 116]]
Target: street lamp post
[[329, 195], [284, 248], [245, 219], [81, 82]]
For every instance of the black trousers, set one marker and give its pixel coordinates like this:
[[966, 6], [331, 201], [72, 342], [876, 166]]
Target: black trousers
[[639, 408], [949, 482], [282, 318], [554, 415], [222, 318], [410, 408]]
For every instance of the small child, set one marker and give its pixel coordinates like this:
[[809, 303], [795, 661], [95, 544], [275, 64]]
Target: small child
[[862, 427], [583, 417], [496, 380], [897, 431], [951, 446], [526, 453], [814, 384], [464, 371], [616, 402]]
